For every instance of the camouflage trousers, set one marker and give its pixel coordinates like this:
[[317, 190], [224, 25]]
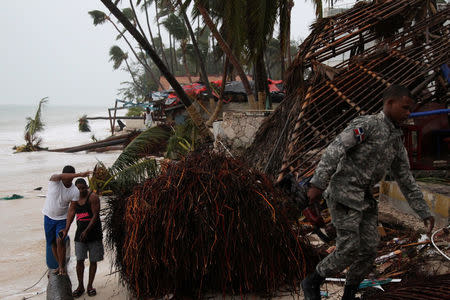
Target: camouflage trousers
[[356, 242]]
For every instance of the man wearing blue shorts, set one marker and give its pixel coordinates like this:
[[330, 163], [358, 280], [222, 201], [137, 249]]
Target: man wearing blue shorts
[[60, 193]]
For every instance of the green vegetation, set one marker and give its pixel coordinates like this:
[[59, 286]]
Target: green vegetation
[[83, 124], [33, 126], [135, 111]]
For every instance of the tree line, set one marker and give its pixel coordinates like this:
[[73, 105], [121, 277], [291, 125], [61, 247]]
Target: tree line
[[234, 38]]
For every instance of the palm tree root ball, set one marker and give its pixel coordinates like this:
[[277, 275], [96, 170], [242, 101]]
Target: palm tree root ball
[[207, 224]]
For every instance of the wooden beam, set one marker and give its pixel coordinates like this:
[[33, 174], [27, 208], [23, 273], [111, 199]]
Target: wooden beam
[[345, 98]]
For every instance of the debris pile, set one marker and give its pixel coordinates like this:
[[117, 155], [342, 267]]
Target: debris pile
[[341, 71], [207, 224], [431, 288]]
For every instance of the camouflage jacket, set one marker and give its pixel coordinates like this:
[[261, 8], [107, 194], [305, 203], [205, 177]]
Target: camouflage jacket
[[359, 157]]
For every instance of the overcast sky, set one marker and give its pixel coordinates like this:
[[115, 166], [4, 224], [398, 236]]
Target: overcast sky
[[50, 48]]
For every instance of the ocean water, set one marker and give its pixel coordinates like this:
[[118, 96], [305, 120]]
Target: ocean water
[[61, 130], [22, 251]]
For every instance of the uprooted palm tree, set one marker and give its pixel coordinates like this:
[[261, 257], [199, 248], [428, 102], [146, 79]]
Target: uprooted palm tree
[[133, 165], [33, 126], [136, 163]]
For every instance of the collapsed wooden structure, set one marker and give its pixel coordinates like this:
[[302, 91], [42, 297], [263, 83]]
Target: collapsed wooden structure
[[379, 43]]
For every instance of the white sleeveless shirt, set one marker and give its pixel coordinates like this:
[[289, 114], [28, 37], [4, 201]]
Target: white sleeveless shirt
[[58, 199]]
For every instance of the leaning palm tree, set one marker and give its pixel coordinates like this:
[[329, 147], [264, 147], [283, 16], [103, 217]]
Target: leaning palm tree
[[117, 56], [100, 17], [144, 43], [33, 126]]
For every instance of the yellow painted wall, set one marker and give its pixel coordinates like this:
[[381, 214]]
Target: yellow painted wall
[[438, 203]]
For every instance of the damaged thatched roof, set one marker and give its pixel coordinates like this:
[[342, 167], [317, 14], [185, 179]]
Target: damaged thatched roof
[[379, 44]]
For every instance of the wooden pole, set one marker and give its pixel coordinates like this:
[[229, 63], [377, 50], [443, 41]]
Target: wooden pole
[[114, 120]]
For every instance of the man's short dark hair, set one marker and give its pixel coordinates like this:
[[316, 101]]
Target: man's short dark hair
[[68, 169], [396, 92], [80, 181]]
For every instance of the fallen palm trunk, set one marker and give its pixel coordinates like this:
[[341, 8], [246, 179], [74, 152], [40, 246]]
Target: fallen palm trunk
[[107, 148], [110, 141], [207, 224], [59, 287]]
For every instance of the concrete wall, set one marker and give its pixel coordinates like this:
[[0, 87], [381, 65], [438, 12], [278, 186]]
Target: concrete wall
[[439, 202], [134, 124], [238, 128]]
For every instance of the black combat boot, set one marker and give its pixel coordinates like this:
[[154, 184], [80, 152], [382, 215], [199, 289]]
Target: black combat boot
[[350, 292], [311, 286]]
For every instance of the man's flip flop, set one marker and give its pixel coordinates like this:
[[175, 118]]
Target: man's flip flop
[[77, 293], [91, 292]]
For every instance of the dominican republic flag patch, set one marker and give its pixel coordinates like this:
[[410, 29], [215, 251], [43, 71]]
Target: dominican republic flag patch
[[359, 134]]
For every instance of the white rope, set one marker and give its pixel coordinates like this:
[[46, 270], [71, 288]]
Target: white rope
[[437, 248], [45, 272]]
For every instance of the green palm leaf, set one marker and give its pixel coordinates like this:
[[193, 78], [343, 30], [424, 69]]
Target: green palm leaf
[[35, 125], [98, 17], [182, 141], [122, 182], [151, 141], [83, 124], [128, 13], [176, 27], [117, 56]]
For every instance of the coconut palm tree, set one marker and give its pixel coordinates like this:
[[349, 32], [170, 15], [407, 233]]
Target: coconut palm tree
[[227, 50], [83, 124], [33, 126], [117, 56], [260, 21], [100, 17], [195, 116], [284, 31], [198, 56], [176, 28]]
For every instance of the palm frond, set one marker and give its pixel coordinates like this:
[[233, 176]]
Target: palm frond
[[34, 125], [319, 8], [151, 141], [98, 17], [176, 27], [126, 179], [128, 13], [117, 56], [182, 141], [145, 4], [83, 124]]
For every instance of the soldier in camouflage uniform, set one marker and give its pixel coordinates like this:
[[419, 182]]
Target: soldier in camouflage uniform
[[351, 165]]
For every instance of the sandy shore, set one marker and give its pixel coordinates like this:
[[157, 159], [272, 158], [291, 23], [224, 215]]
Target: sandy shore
[[22, 250]]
